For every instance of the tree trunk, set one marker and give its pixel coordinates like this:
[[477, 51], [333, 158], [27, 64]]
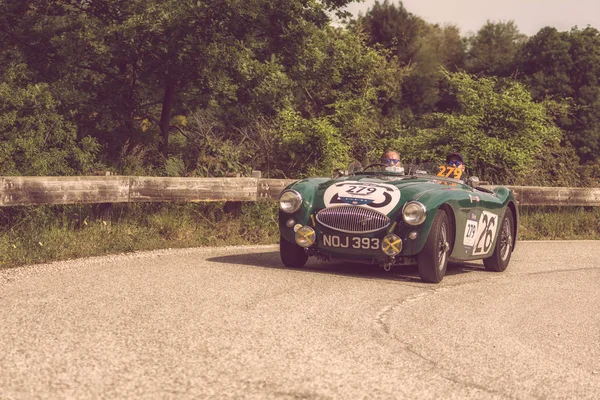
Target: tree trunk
[[165, 116]]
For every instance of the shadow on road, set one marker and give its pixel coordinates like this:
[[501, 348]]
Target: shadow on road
[[406, 273]]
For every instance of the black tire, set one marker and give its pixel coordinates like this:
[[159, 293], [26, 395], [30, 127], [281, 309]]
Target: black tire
[[433, 259], [504, 245], [292, 255]]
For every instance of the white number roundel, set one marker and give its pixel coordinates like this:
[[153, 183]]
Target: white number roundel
[[377, 196]]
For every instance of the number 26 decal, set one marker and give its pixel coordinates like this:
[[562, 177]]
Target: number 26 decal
[[486, 232]]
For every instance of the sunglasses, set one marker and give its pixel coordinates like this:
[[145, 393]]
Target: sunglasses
[[454, 163], [391, 160]]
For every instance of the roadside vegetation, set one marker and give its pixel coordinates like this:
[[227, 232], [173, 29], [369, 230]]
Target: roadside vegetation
[[559, 223], [40, 234], [43, 234], [215, 88]]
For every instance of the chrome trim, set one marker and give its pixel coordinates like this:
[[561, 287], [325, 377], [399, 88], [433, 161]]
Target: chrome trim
[[419, 204], [352, 219], [298, 195]]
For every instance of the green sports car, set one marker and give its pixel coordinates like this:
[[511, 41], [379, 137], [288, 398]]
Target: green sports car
[[385, 216]]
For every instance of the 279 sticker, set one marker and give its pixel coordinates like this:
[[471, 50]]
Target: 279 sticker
[[486, 233], [382, 197], [470, 230], [449, 172]]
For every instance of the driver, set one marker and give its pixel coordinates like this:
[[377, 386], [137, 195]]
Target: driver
[[391, 160]]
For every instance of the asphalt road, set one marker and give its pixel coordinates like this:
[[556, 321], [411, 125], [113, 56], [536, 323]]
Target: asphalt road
[[232, 323]]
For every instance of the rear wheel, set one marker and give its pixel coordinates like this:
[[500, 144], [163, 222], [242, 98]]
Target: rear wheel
[[433, 259], [504, 245], [292, 255]]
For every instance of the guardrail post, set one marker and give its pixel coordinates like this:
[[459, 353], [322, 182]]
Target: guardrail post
[[234, 208]]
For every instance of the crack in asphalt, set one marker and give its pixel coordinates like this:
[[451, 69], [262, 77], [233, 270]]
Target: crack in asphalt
[[383, 325]]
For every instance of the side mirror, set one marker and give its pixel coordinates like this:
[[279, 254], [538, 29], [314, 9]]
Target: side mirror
[[338, 173], [353, 167], [473, 181]]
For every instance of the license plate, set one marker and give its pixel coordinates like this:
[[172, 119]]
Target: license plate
[[350, 242]]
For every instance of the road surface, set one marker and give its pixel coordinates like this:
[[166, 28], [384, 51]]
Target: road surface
[[232, 323]]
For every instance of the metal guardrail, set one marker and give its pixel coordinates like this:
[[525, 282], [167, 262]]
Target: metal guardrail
[[32, 190]]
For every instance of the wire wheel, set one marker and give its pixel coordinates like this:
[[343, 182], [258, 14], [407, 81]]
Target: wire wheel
[[433, 259], [504, 245], [442, 246], [505, 240]]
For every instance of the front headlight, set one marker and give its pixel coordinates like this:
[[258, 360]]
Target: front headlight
[[414, 213], [290, 201]]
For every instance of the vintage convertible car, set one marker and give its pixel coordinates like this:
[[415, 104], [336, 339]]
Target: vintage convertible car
[[390, 216]]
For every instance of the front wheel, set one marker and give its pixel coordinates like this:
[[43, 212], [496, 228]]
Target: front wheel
[[504, 245], [292, 255], [433, 259]]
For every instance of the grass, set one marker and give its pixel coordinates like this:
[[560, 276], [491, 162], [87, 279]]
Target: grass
[[46, 233], [559, 223], [39, 234]]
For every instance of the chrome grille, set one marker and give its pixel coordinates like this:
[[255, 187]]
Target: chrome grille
[[352, 219]]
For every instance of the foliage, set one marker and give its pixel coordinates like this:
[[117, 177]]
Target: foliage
[[222, 87], [47, 233], [312, 116], [565, 66], [392, 27], [498, 128], [113, 63], [35, 139], [415, 43], [559, 223], [492, 50]]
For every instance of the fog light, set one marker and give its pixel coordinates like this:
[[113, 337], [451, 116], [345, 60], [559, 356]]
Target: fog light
[[305, 236], [290, 222], [413, 235], [297, 226], [392, 245]]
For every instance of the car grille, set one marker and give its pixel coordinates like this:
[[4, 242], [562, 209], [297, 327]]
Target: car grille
[[352, 219]]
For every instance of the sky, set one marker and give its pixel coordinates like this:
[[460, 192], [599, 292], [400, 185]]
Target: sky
[[529, 15]]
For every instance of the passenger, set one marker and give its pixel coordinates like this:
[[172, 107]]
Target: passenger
[[455, 160]]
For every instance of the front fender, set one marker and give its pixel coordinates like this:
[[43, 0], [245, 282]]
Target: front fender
[[307, 189], [413, 247]]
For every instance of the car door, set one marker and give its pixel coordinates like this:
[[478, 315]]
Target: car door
[[487, 224]]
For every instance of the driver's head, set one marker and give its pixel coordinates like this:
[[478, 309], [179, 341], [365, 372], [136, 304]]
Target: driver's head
[[455, 160], [390, 158]]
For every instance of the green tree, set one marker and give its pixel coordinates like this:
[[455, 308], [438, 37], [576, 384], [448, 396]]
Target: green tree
[[565, 67], [328, 109], [392, 27], [498, 127], [35, 139], [493, 48], [439, 48], [424, 47], [126, 62]]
